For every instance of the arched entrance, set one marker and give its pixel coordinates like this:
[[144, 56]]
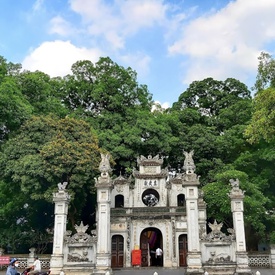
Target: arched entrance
[[150, 240], [183, 250], [117, 251]]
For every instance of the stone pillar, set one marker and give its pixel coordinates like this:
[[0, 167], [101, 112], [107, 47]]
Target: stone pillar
[[194, 263], [202, 213], [272, 255], [30, 260], [191, 182], [236, 195], [104, 186], [61, 200]]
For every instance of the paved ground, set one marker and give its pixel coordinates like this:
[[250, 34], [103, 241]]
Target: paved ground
[[163, 271]]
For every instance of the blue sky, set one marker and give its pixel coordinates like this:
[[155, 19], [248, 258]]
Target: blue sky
[[169, 43]]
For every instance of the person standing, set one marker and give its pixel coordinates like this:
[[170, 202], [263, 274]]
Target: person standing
[[159, 256], [11, 270], [36, 267]]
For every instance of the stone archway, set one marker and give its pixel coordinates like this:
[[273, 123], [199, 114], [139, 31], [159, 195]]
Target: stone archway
[[150, 240]]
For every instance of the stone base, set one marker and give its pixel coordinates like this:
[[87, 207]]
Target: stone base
[[194, 271], [224, 269], [103, 272], [246, 271], [56, 264], [83, 269], [194, 265], [242, 263]]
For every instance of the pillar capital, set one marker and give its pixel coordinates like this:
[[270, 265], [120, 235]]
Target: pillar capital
[[61, 195], [236, 193]]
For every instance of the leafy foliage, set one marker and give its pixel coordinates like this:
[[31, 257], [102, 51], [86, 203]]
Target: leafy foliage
[[53, 129], [48, 150], [262, 125], [266, 72]]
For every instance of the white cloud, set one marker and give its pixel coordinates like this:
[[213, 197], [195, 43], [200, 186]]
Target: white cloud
[[60, 26], [37, 5], [138, 62], [115, 22], [56, 57], [226, 43], [160, 106], [143, 13], [165, 105]]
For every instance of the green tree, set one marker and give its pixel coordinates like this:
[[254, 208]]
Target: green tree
[[42, 93], [217, 101], [262, 125], [219, 207], [23, 221], [266, 72], [47, 151], [8, 69], [14, 108], [109, 97], [103, 88], [210, 114]]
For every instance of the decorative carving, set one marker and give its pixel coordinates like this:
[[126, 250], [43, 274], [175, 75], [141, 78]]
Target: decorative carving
[[189, 165], [171, 174], [216, 235], [104, 166], [161, 175], [231, 231], [120, 180], [78, 255], [128, 235], [202, 232], [177, 179], [235, 183], [156, 160], [81, 228], [215, 227], [62, 186], [80, 236], [174, 236], [150, 200], [236, 192], [119, 188], [220, 258], [67, 236], [201, 194]]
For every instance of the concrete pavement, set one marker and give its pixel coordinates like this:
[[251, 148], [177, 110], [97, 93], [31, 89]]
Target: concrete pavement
[[162, 271], [179, 271]]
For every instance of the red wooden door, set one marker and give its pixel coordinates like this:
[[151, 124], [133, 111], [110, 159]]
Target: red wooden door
[[117, 251], [183, 250]]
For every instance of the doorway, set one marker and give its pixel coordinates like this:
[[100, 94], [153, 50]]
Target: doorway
[[150, 240], [117, 251], [183, 250]]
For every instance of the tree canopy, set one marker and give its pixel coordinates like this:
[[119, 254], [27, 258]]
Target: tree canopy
[[53, 130], [48, 150]]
